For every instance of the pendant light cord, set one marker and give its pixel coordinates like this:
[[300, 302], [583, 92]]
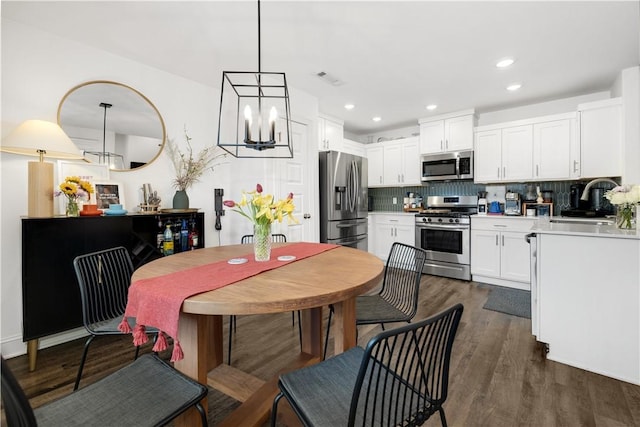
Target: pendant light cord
[[259, 52]]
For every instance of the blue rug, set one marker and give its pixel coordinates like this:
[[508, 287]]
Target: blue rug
[[515, 302]]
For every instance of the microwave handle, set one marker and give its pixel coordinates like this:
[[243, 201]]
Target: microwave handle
[[458, 166]]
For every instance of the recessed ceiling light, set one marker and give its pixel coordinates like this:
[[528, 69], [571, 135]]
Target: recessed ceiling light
[[514, 86], [377, 119], [431, 107], [349, 106], [503, 63]]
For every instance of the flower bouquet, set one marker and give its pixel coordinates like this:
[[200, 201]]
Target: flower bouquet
[[74, 189], [626, 199], [262, 209]]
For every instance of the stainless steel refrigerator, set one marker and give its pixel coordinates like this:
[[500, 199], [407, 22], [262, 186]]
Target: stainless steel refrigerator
[[343, 199]]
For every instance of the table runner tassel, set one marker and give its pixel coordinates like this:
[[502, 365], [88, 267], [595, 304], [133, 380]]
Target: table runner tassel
[[124, 326], [177, 352], [161, 343], [139, 335]]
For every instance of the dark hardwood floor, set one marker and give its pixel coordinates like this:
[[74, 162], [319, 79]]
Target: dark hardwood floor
[[499, 376]]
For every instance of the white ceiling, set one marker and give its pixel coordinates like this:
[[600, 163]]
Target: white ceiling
[[393, 57]]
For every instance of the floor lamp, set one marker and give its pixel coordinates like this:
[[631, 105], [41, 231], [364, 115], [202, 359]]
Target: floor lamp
[[41, 139]]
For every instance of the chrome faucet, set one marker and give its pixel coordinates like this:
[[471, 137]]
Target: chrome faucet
[[585, 192]]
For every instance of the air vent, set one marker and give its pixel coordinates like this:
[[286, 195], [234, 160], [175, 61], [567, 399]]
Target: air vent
[[328, 78]]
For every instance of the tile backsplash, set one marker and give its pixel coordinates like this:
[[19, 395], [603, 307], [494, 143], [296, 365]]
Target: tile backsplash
[[383, 197]]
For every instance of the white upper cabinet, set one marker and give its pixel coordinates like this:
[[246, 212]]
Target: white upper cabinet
[[375, 164], [330, 134], [553, 143], [354, 147], [394, 163], [517, 153], [452, 132], [503, 155], [601, 138], [543, 148]]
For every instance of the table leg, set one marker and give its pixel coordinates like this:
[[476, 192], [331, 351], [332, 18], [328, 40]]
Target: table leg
[[201, 341], [345, 335], [312, 331]]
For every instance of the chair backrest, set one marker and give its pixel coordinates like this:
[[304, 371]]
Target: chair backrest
[[404, 375], [277, 238], [402, 274], [104, 278], [16, 405]]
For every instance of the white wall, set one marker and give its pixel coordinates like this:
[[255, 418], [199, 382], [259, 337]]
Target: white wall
[[37, 70], [630, 93]]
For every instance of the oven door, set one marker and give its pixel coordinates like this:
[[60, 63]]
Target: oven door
[[447, 243]]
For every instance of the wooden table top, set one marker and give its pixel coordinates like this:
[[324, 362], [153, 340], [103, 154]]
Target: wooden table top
[[322, 279]]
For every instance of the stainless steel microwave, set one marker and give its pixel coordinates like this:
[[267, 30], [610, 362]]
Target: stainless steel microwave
[[447, 166]]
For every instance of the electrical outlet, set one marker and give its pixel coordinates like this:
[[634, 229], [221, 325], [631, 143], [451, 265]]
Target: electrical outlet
[[395, 200]]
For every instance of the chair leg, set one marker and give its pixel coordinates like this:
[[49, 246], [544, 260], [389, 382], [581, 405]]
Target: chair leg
[[443, 420], [203, 415], [82, 360], [293, 318], [299, 329], [274, 409], [231, 323], [326, 338]]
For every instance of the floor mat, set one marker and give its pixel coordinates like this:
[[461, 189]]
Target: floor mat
[[515, 302]]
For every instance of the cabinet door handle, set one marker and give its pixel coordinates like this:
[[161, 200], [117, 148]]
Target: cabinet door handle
[[503, 240], [575, 166], [446, 144], [441, 145], [496, 240], [498, 174], [537, 170], [380, 179], [504, 172], [403, 178]]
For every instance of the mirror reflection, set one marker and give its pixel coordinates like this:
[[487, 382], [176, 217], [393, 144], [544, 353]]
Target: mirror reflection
[[112, 124]]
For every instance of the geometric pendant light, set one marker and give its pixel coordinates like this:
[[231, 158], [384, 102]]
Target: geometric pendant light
[[255, 117]]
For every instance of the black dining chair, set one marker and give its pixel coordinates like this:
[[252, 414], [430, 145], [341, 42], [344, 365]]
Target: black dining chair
[[400, 378], [248, 238], [148, 392], [104, 278], [397, 300]]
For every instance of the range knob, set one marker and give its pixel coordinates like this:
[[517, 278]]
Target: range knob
[[457, 220], [439, 219], [450, 219]]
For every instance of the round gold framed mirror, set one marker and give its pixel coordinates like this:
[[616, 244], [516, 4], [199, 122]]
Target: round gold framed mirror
[[112, 124]]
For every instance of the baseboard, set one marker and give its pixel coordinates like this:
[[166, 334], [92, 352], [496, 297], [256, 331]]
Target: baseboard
[[14, 346]]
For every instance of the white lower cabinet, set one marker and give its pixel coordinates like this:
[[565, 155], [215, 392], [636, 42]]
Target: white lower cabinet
[[390, 228], [499, 251]]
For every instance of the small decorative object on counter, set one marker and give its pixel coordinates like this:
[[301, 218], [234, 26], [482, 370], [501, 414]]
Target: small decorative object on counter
[[262, 210], [193, 236], [188, 169], [74, 189], [625, 199], [151, 201]]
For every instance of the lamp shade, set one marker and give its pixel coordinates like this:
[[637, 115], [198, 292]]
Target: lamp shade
[[42, 139], [34, 137]]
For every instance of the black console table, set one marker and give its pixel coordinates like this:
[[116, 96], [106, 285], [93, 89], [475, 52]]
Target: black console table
[[50, 294]]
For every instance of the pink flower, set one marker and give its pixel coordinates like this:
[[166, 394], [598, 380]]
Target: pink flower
[[229, 203], [290, 196], [259, 189]]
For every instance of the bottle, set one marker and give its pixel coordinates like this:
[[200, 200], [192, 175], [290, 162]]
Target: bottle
[[167, 244], [184, 236], [176, 236], [193, 237], [160, 236]]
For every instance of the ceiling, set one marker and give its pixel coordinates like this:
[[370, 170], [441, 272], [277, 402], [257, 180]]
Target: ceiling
[[391, 58]]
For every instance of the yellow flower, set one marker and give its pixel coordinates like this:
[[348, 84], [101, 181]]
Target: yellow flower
[[262, 209], [69, 188]]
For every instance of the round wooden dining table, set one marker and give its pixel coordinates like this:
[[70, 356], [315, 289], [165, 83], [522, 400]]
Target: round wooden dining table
[[334, 277]]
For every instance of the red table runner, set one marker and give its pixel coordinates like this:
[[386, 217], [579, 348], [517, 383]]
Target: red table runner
[[157, 301]]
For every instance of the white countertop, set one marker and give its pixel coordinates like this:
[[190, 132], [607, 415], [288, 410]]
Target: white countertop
[[571, 227]]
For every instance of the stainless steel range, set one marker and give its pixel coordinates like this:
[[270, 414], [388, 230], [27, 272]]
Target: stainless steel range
[[443, 229]]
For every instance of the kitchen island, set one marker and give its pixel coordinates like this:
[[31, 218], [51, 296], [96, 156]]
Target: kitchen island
[[586, 296]]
